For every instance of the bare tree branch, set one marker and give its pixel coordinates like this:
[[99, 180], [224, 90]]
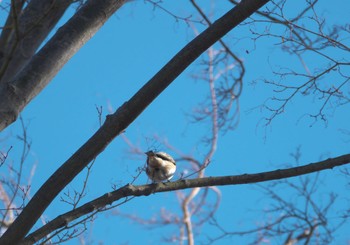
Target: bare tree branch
[[306, 34], [25, 30], [4, 155], [19, 91], [145, 190]]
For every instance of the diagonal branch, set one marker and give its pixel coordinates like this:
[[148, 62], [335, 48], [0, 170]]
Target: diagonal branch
[[224, 45], [124, 116], [25, 30], [145, 190], [17, 92], [9, 33]]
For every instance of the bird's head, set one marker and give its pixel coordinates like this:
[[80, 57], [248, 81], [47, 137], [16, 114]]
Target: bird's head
[[150, 153]]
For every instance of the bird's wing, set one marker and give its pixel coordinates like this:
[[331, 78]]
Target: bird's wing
[[165, 156]]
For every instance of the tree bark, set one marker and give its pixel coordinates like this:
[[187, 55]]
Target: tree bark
[[24, 31], [16, 93]]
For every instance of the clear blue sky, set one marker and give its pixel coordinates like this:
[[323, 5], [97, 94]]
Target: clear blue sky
[[132, 46]]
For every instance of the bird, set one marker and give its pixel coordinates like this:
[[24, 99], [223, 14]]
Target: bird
[[160, 166]]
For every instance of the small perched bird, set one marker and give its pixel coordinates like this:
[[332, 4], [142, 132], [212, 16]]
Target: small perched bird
[[160, 166]]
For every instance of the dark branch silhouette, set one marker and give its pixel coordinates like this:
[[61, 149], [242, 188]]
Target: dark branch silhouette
[[145, 190]]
